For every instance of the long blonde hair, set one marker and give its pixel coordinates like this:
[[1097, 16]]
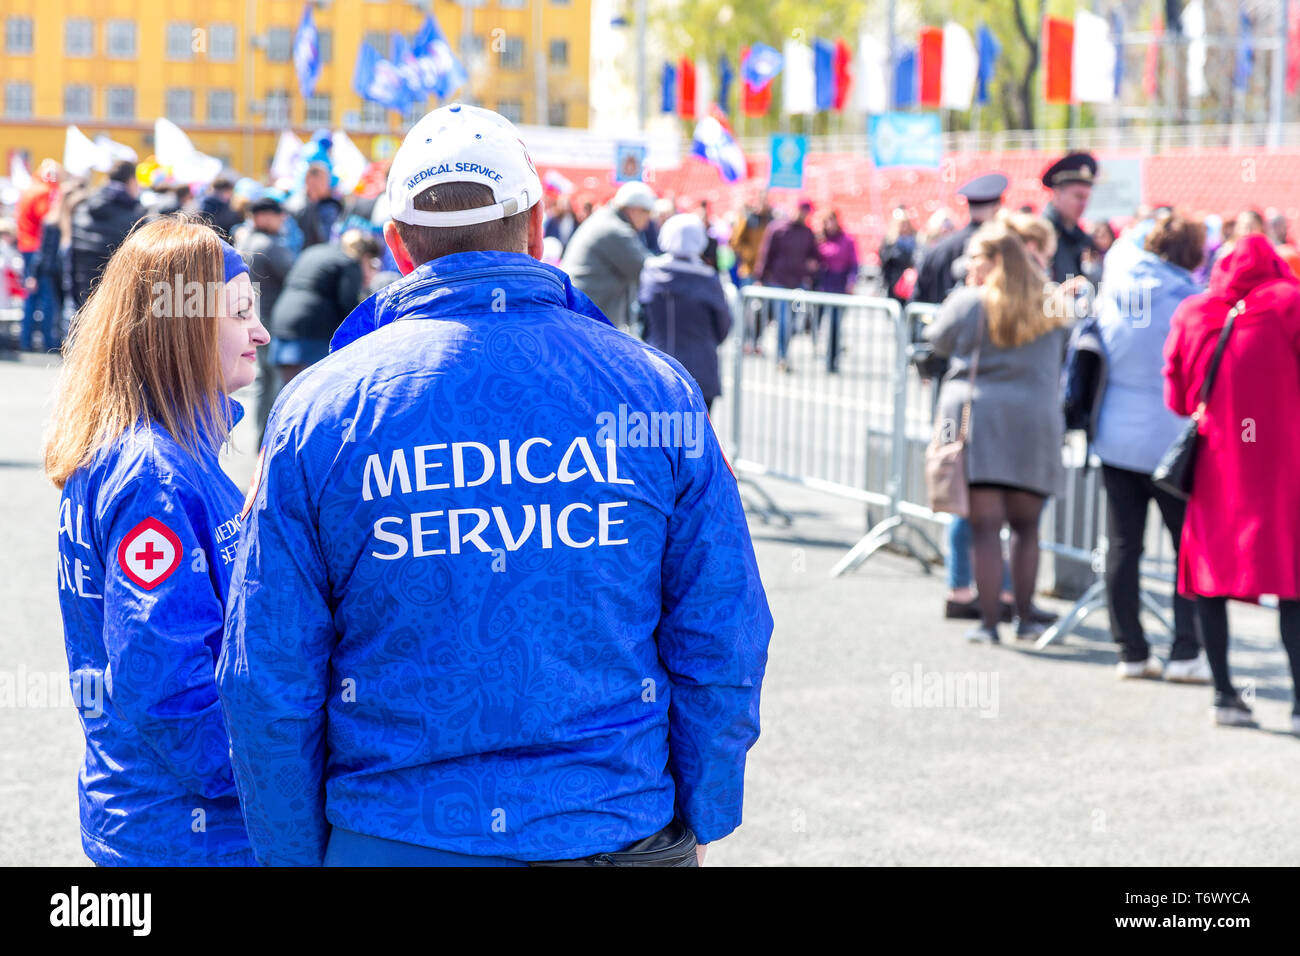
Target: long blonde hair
[[1015, 290], [138, 354], [1032, 230]]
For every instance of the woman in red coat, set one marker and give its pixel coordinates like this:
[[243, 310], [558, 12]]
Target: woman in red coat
[[1241, 536]]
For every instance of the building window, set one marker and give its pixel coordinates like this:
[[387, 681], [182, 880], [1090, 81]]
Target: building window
[[373, 115], [559, 3], [178, 105], [559, 53], [279, 44], [179, 41], [119, 103], [18, 35], [325, 43], [221, 106], [378, 40], [121, 39], [415, 112], [78, 102], [512, 54], [512, 110], [513, 4], [557, 114], [18, 99], [222, 41], [319, 110], [79, 38], [277, 108]]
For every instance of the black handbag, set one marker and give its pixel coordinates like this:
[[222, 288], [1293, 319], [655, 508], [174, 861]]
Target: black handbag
[[1176, 468]]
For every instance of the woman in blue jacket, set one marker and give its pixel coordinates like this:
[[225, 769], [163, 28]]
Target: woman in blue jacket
[[147, 528], [1134, 427]]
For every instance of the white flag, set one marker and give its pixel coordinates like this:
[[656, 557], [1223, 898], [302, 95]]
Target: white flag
[[349, 162], [173, 148], [872, 81], [703, 88], [1194, 30], [19, 177], [799, 79], [287, 152], [1094, 59], [111, 152], [960, 68], [80, 155]]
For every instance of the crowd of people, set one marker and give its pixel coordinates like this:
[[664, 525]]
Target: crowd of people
[[504, 318], [1123, 334]]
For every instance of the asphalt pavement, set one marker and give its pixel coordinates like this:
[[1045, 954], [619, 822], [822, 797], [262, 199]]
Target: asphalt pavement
[[886, 738]]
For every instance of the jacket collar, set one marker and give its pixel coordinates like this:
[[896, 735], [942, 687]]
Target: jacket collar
[[467, 283]]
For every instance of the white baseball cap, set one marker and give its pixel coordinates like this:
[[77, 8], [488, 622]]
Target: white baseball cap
[[635, 195], [458, 143]]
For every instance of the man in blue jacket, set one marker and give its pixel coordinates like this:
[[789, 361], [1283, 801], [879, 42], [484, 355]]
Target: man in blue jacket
[[496, 602]]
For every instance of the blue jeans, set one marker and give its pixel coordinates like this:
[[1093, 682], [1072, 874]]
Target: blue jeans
[[959, 566], [41, 299]]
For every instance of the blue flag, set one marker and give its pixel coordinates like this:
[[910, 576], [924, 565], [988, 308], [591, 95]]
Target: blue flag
[[1117, 30], [989, 50], [408, 68], [440, 72], [668, 89], [905, 78], [1245, 55], [377, 80], [824, 71], [725, 76], [761, 66], [306, 54]]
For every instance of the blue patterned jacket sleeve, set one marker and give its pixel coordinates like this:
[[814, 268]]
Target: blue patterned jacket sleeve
[[273, 675], [713, 637], [161, 639]]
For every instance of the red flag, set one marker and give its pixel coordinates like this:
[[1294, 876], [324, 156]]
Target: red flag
[[686, 88], [843, 74], [1058, 78], [1151, 70], [753, 103], [931, 68], [1292, 49]]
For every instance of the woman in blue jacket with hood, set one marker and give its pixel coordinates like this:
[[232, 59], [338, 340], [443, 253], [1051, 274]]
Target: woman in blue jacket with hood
[[147, 528]]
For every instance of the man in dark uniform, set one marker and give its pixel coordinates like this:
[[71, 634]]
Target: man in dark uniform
[[1070, 179], [935, 278]]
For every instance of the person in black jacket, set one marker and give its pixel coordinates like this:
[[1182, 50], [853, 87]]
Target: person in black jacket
[[324, 285], [1070, 179], [316, 210], [935, 277], [215, 207], [269, 260], [99, 225]]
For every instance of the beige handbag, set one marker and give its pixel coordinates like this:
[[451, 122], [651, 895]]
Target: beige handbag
[[946, 483]]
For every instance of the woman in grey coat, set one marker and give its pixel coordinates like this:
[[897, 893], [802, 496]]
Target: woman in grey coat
[[1015, 431], [686, 313]]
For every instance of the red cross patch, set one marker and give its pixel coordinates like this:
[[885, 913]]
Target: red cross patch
[[149, 553]]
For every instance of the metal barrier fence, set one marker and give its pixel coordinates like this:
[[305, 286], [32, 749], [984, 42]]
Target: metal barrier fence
[[824, 394]]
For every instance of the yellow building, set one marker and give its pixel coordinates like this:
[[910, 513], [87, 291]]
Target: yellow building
[[222, 70]]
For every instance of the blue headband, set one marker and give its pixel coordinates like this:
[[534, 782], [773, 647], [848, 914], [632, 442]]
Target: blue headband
[[232, 261]]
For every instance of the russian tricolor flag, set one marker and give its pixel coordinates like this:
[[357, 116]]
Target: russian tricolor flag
[[714, 143]]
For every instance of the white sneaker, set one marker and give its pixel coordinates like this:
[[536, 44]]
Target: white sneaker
[[1193, 671], [1130, 670], [1231, 712]]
